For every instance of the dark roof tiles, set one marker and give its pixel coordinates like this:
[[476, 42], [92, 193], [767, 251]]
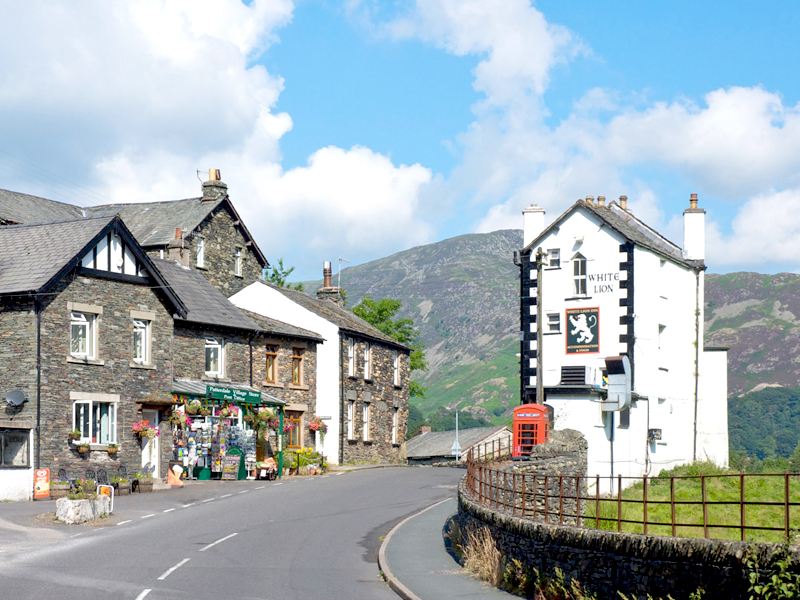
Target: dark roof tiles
[[440, 443]]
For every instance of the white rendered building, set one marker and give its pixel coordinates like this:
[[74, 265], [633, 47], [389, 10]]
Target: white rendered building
[[611, 286]]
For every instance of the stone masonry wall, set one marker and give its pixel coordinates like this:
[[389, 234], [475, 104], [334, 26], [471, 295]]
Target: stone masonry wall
[[18, 360], [111, 373], [190, 354], [385, 396]]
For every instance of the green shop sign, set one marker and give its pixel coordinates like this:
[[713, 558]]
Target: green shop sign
[[232, 395]]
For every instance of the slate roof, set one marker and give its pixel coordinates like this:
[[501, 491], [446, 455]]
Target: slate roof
[[204, 303], [275, 327], [628, 226], [23, 208], [32, 255], [341, 317], [440, 443]]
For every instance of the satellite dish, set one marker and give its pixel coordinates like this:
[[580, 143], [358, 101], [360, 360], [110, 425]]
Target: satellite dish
[[16, 398]]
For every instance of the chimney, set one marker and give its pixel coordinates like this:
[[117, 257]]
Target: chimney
[[424, 429], [328, 291], [623, 202], [601, 201], [589, 199], [177, 250], [532, 223], [694, 231], [214, 189]]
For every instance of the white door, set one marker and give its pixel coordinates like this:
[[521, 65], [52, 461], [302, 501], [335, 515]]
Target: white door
[[150, 448]]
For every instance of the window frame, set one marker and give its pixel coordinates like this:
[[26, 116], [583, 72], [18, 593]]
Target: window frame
[[351, 357], [89, 325], [367, 361], [200, 254], [395, 424], [90, 418], [295, 433], [396, 367], [271, 364], [211, 343], [351, 419], [579, 278], [25, 434], [551, 322], [297, 366], [238, 261], [554, 256], [142, 326], [365, 416]]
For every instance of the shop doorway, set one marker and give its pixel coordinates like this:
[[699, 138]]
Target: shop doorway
[[150, 447]]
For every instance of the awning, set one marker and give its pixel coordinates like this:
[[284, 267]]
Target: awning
[[240, 394]]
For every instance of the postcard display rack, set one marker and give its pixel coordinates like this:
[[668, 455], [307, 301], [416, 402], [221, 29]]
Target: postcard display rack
[[202, 445]]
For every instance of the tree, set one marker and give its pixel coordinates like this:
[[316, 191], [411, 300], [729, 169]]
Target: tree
[[381, 315], [278, 275]]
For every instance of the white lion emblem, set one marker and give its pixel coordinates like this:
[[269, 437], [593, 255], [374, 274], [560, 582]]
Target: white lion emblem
[[580, 326]]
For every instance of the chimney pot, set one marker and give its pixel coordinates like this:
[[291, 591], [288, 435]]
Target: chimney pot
[[693, 201], [601, 201], [178, 233], [326, 274], [623, 202], [589, 199]]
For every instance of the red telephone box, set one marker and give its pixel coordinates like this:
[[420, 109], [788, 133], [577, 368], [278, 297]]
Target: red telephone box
[[531, 427]]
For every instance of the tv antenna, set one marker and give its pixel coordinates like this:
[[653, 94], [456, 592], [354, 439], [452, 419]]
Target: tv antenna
[[339, 280]]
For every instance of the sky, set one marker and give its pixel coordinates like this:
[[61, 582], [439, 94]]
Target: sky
[[359, 128]]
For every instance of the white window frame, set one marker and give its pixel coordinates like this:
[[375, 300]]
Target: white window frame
[[141, 329], [351, 357], [365, 414], [351, 419], [210, 344], [88, 323], [554, 258], [553, 322], [395, 424], [579, 280], [200, 258], [86, 418], [396, 366], [367, 361], [238, 261]]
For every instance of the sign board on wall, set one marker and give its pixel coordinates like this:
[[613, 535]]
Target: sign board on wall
[[232, 394], [583, 330]]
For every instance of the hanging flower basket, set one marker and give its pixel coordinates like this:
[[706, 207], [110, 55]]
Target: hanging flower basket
[[318, 425], [143, 429], [193, 407], [204, 412], [248, 418], [74, 435], [83, 449], [112, 449]]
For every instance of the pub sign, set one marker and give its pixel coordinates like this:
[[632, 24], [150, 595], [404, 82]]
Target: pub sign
[[583, 330]]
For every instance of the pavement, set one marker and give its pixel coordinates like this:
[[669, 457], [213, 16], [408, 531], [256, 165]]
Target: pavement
[[417, 565]]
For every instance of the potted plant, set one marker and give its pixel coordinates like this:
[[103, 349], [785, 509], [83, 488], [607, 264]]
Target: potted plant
[[121, 484], [144, 430], [59, 489], [83, 448], [74, 435], [145, 483], [317, 425], [193, 407], [112, 449], [204, 412], [248, 418]]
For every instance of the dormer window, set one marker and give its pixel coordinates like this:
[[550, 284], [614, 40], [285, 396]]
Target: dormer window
[[579, 275]]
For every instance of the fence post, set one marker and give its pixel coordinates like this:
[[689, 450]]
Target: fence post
[[546, 498], [514, 495], [705, 506], [672, 501], [741, 502], [524, 489], [578, 494], [505, 490], [560, 499], [619, 502], [534, 496], [786, 504], [597, 502], [644, 503]]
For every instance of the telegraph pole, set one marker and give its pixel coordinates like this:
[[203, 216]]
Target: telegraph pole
[[539, 388]]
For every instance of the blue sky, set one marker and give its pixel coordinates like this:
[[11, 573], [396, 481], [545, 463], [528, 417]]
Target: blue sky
[[361, 128]]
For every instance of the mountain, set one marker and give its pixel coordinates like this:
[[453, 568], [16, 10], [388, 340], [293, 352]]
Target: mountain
[[463, 295]]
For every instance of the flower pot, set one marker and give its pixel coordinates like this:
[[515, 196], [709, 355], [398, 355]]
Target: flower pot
[[74, 437], [205, 412], [124, 488], [112, 451], [145, 486], [58, 490], [83, 449]]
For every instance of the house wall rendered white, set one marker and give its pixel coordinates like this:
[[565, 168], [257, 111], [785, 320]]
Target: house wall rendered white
[[263, 300]]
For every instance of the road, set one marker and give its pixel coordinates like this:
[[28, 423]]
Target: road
[[303, 538]]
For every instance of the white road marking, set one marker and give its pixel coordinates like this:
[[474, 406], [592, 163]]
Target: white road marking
[[261, 487], [212, 544], [279, 483], [226, 496], [143, 594], [339, 473], [169, 510], [148, 516], [243, 492], [123, 522], [169, 571], [190, 504], [208, 500]]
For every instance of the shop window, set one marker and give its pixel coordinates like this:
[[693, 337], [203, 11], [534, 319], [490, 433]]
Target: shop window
[[365, 421], [396, 365], [238, 259], [215, 359], [15, 448], [200, 260], [367, 360], [351, 418], [297, 366], [97, 421], [351, 357], [141, 341], [294, 437], [272, 367], [579, 275], [83, 333]]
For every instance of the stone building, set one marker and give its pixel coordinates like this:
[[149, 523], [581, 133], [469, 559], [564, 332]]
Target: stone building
[[363, 375], [612, 287], [86, 328]]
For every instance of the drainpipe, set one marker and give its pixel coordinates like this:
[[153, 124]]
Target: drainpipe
[[696, 358], [611, 445], [37, 308]]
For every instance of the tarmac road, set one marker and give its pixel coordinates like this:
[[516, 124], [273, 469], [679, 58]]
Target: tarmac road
[[303, 538]]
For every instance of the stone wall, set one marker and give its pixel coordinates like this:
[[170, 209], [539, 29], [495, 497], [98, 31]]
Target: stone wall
[[190, 353], [111, 373], [18, 360], [383, 396]]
